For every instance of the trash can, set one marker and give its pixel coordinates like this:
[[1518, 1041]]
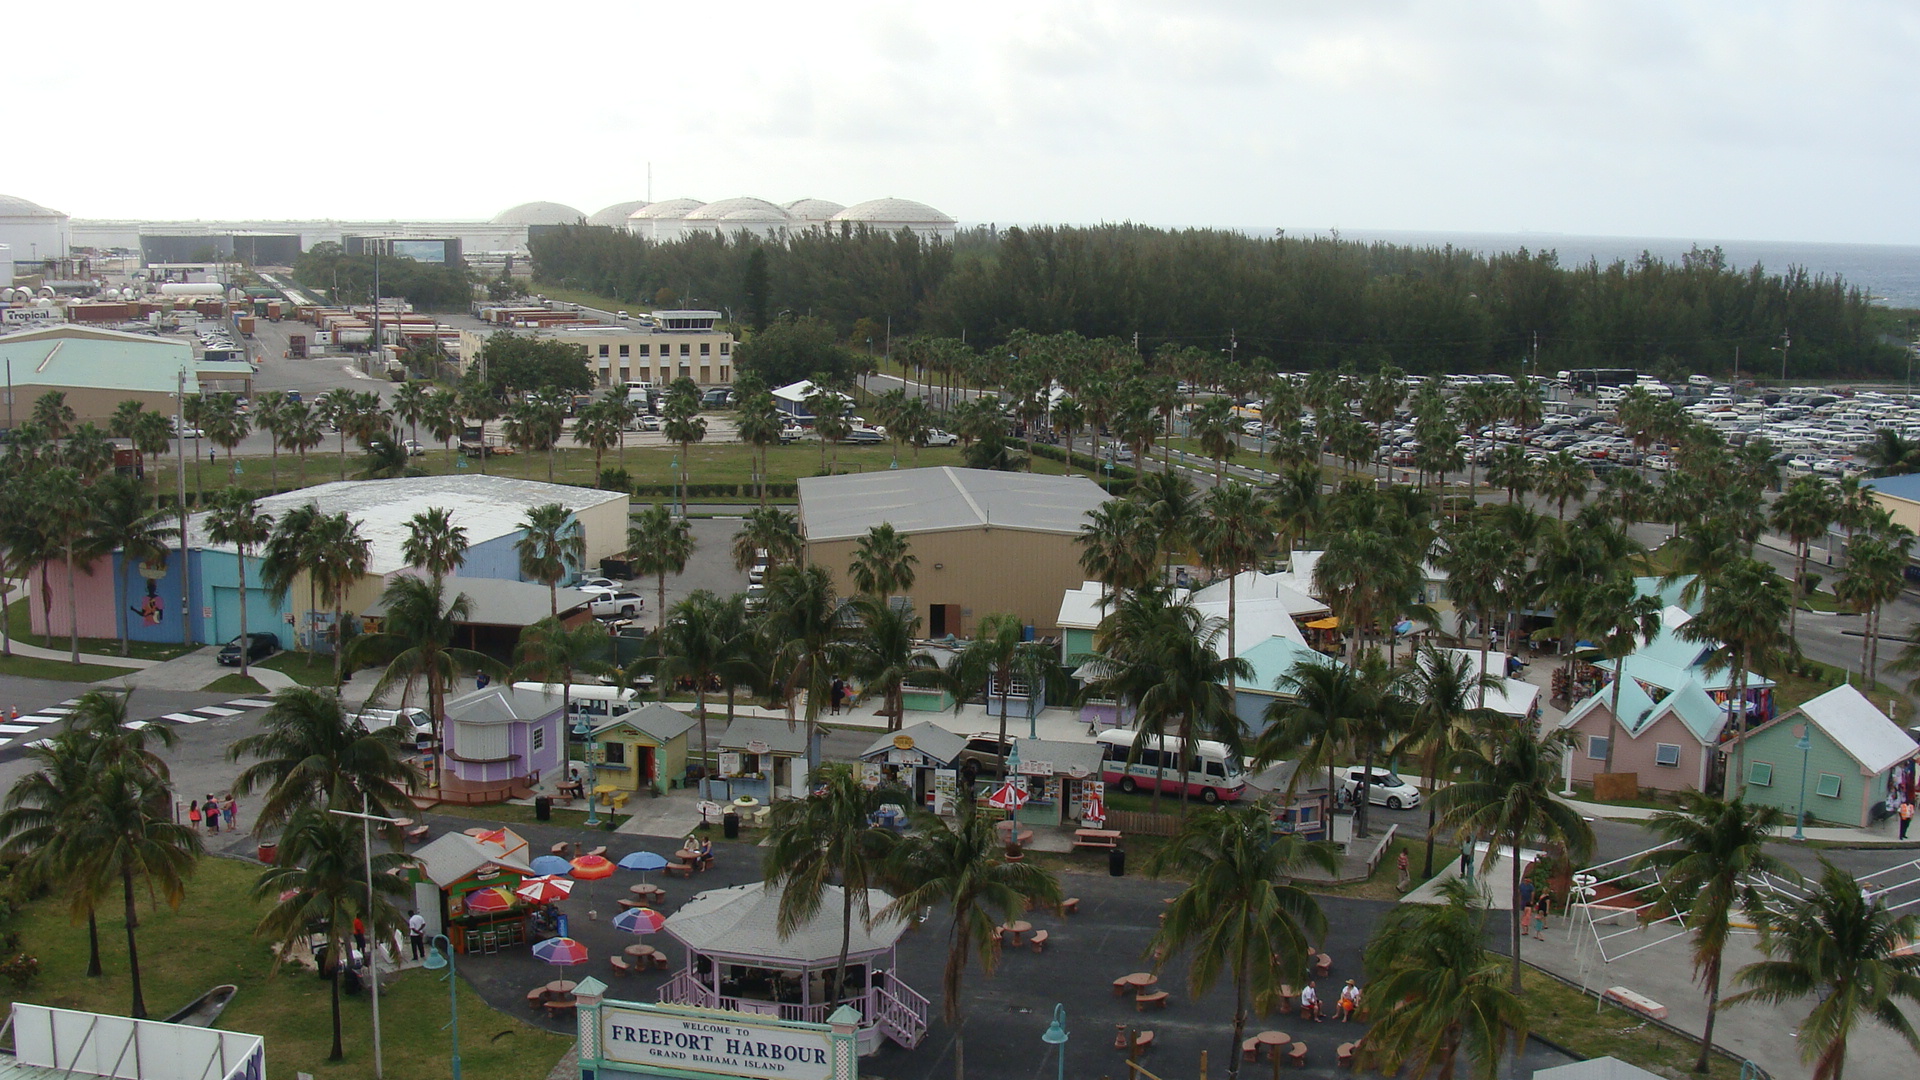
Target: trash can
[[1117, 862], [542, 808], [730, 825], [269, 850]]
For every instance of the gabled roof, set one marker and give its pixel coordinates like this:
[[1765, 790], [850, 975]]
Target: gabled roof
[[1071, 758], [656, 721], [744, 921], [930, 739], [776, 733], [1668, 593], [1257, 621], [1697, 712], [944, 499], [1856, 726], [456, 855], [1513, 697], [1080, 608], [1276, 656], [1636, 708], [1701, 714], [498, 704], [1254, 585]]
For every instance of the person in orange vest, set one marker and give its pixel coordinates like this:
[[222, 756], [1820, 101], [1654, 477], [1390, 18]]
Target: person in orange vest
[[1906, 816]]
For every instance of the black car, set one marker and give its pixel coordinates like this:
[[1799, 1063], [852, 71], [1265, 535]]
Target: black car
[[259, 647]]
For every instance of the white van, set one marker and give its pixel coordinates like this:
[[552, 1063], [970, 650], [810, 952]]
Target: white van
[[1213, 771], [592, 700]]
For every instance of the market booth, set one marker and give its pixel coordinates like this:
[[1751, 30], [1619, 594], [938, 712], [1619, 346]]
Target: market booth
[[1057, 777], [737, 959], [911, 759], [643, 750], [465, 882], [763, 759]]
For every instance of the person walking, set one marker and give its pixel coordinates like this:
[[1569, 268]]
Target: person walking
[[211, 808], [359, 934], [1526, 920], [1526, 892], [1406, 876], [416, 934], [1906, 816], [1541, 905]]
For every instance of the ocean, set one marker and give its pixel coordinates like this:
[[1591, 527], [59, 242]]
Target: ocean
[[1890, 273]]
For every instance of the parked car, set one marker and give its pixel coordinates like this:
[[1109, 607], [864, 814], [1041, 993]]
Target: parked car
[[1384, 788], [936, 437], [985, 751], [259, 647], [624, 603], [414, 449], [417, 725], [601, 584]]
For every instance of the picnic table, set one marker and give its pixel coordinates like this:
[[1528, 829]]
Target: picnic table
[[640, 952], [1017, 928], [1271, 1042], [561, 987], [647, 891], [1096, 838], [1142, 980], [1011, 832]]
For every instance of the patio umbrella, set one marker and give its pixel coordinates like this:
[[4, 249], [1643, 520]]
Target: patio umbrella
[[1008, 796], [640, 920], [643, 861], [487, 901], [496, 836], [1093, 809], [544, 890], [563, 951], [551, 864], [591, 868]]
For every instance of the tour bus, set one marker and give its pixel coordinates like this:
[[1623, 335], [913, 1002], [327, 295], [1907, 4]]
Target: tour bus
[[592, 700], [1213, 772]]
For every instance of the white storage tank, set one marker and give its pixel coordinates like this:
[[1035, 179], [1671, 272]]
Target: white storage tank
[[204, 288]]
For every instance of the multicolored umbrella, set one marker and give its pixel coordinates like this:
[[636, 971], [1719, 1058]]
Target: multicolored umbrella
[[643, 861], [545, 890], [1010, 795], [591, 868], [563, 951], [639, 920], [551, 864], [487, 901]]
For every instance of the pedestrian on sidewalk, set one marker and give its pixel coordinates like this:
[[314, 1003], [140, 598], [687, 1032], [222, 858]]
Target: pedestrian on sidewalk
[[1526, 892], [1541, 906], [1406, 878], [1526, 920], [1906, 816], [229, 810], [416, 934], [193, 815], [359, 934], [1466, 861]]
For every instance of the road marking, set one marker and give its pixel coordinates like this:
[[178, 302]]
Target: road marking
[[137, 725], [16, 729], [216, 712], [71, 701], [35, 720], [250, 703], [56, 710], [184, 718]]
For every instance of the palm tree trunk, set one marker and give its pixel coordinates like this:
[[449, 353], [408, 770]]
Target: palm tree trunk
[[73, 602], [343, 450], [1239, 1015], [338, 1053], [1713, 1005], [93, 942], [245, 642], [1513, 856], [339, 645], [834, 990], [46, 607], [1799, 587], [139, 1009], [1361, 804], [1613, 711], [1430, 782], [125, 557], [1486, 646]]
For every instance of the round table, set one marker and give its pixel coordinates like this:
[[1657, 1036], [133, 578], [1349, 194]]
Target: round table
[[402, 823], [604, 789], [1142, 980], [688, 855], [746, 802], [1272, 1042], [560, 986], [477, 833], [645, 890], [640, 952], [1015, 929]]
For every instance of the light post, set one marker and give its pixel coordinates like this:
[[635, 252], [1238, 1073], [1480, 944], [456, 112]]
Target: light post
[[367, 818], [1803, 743], [1055, 1035], [440, 955], [584, 730]]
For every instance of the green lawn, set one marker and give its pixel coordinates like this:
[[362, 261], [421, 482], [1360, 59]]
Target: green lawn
[[1384, 883], [27, 667], [235, 683], [1793, 690], [315, 669], [209, 940], [1563, 1015], [18, 627]]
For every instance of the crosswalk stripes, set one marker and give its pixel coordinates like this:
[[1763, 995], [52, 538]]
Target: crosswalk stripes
[[16, 729], [184, 718], [71, 701], [57, 710], [215, 712], [250, 703]]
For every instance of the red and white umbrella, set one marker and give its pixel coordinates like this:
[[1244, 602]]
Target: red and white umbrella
[[1093, 809], [1010, 795], [545, 890]]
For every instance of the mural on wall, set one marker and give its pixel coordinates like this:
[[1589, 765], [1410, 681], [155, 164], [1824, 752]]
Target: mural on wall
[[151, 610]]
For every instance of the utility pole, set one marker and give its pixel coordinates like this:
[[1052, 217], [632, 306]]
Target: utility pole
[[180, 433], [367, 818], [1786, 342]]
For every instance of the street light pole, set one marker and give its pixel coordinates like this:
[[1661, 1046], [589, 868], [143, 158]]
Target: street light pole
[[1056, 1035], [367, 818], [440, 955], [585, 730], [180, 433], [1804, 744]]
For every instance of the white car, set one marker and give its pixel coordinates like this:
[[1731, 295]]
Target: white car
[[1659, 462], [597, 584], [1384, 788], [936, 437], [606, 603]]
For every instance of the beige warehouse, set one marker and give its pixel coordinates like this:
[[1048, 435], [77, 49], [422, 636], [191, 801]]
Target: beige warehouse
[[986, 541]]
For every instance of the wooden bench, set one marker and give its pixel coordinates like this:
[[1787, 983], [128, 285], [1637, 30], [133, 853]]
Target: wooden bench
[[537, 996], [660, 960], [416, 834], [685, 870], [1250, 1048], [1297, 1057], [559, 849], [1121, 985], [1039, 941], [1142, 1041], [1345, 1054], [1155, 1000], [1070, 906], [565, 1005], [619, 965], [1639, 1003], [598, 851], [1096, 838]]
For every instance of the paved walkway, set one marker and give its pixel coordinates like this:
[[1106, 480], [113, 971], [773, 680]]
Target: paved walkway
[[195, 670]]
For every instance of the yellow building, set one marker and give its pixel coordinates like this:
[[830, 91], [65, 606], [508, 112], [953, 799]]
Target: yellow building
[[646, 748], [986, 541], [656, 348], [1899, 496]]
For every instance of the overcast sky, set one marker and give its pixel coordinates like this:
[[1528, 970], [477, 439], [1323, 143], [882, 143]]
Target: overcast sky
[[1744, 119]]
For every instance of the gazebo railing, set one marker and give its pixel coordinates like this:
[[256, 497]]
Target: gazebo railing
[[900, 1012], [897, 1009]]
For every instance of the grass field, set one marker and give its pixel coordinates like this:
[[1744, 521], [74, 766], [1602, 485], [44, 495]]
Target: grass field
[[235, 683], [314, 669], [19, 628], [27, 667], [1563, 1015], [209, 940]]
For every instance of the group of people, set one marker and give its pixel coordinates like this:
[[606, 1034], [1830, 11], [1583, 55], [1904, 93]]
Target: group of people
[[1348, 1003], [214, 812]]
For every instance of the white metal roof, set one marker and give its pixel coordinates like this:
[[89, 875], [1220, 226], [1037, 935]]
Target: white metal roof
[[944, 499], [539, 213], [488, 507], [1254, 585], [1080, 608], [893, 211], [1857, 727], [1601, 1068], [744, 921], [615, 215]]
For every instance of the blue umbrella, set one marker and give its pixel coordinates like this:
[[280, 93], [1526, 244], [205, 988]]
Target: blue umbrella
[[643, 861], [551, 864]]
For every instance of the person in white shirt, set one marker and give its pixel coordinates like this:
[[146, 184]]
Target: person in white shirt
[[1310, 1003], [417, 935]]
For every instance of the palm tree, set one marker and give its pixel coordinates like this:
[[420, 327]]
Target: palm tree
[[551, 648], [41, 824], [1888, 453], [1562, 479], [409, 405], [416, 642], [1068, 417], [339, 559], [1742, 617], [434, 543], [1436, 990], [805, 632], [551, 545], [660, 544], [63, 508], [1506, 793], [759, 426], [996, 656], [151, 436], [336, 407], [127, 839], [1315, 719], [1621, 621], [959, 862], [768, 529], [323, 878], [478, 404], [443, 418], [312, 754], [826, 840], [1446, 717], [236, 519], [886, 652], [706, 638], [883, 562], [1475, 560], [1235, 531], [288, 552], [226, 425], [1874, 576], [270, 415], [598, 427], [302, 433], [1218, 431], [1172, 509], [1708, 872], [124, 520], [1849, 953], [1242, 914], [1118, 545], [683, 425], [53, 415], [1803, 514]]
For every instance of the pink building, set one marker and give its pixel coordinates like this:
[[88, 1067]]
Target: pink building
[[1670, 742]]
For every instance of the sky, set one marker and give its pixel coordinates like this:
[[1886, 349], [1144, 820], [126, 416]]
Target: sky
[[1744, 119]]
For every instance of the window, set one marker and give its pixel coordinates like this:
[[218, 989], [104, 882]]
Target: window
[[603, 351], [616, 753], [624, 351], [539, 741], [1667, 754], [706, 349], [1215, 768], [1760, 773], [1828, 786], [686, 350], [1597, 747], [646, 350], [726, 348]]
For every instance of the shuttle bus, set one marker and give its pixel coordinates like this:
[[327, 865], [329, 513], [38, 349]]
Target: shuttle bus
[[1213, 771]]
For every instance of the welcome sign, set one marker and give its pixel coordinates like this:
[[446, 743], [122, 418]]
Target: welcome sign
[[725, 1044]]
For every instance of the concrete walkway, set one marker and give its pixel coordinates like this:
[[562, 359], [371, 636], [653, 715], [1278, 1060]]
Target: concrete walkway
[[195, 671], [22, 648], [1887, 833]]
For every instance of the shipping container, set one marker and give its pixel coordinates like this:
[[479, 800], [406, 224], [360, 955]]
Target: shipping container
[[297, 346], [246, 325]]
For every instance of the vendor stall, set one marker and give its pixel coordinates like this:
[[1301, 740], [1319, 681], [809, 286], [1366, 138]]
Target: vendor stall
[[909, 758], [465, 883], [763, 759], [643, 750]]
